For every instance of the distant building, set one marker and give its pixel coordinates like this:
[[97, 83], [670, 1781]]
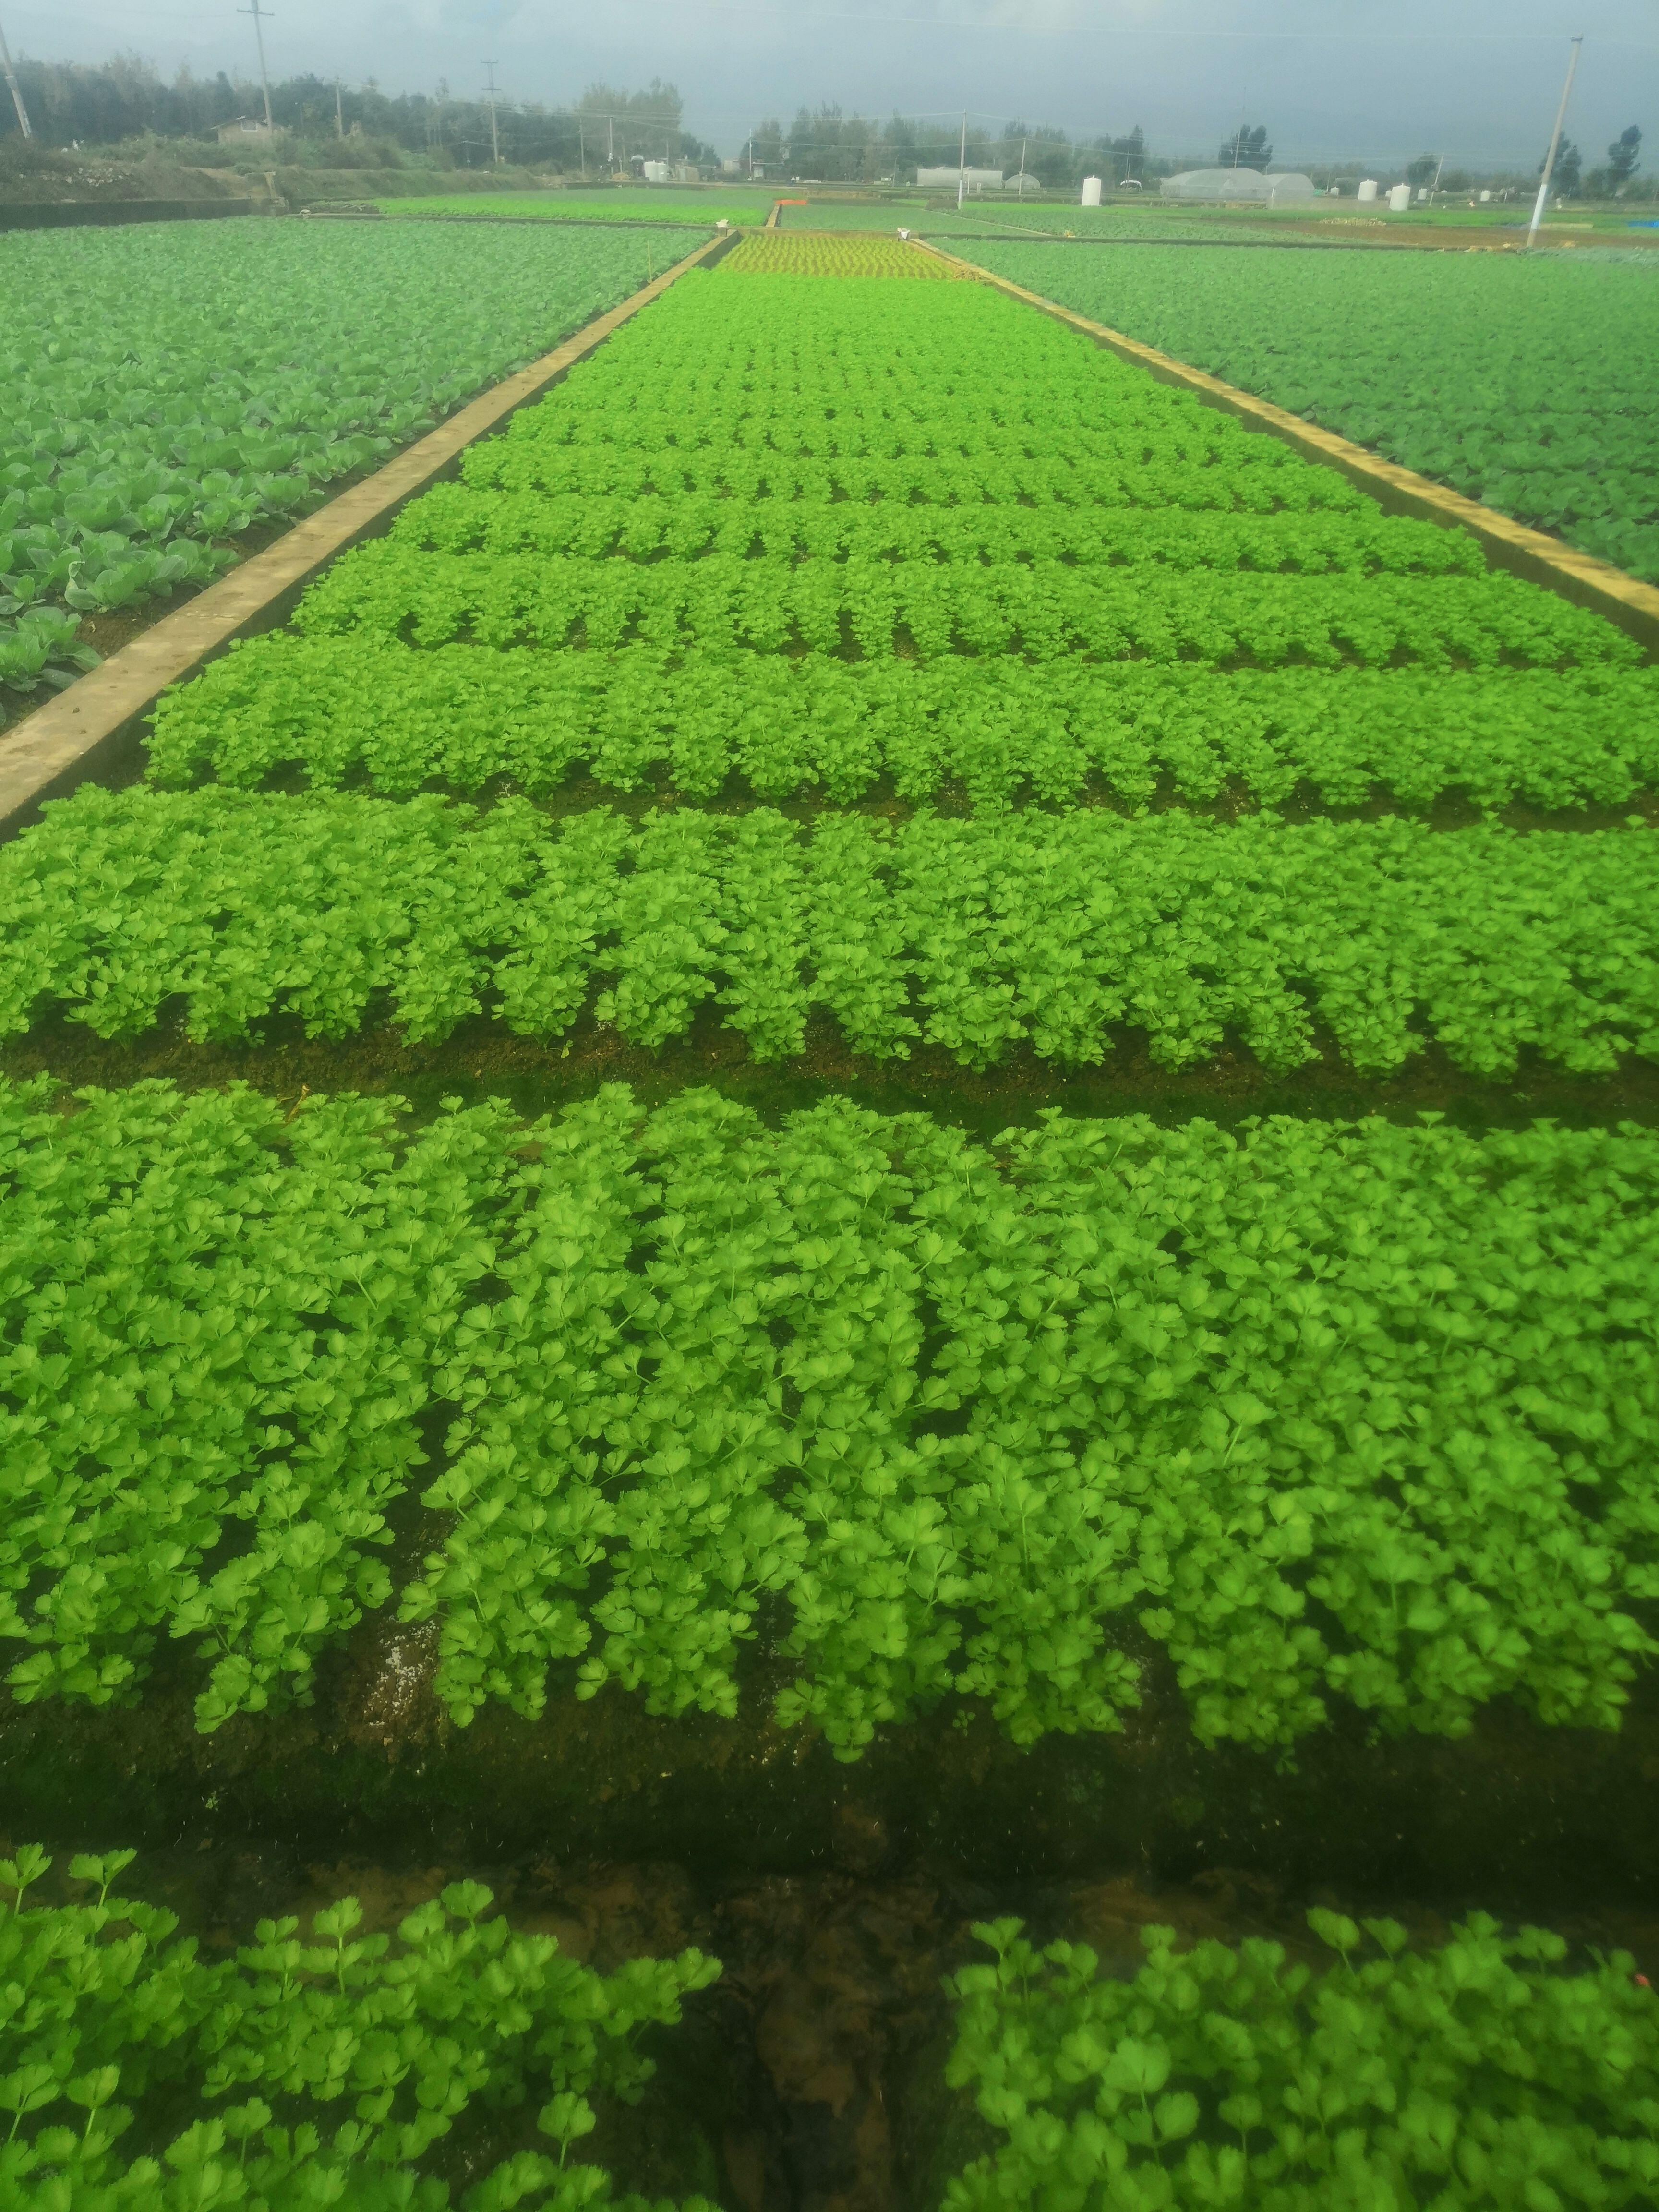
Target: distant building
[[243, 127]]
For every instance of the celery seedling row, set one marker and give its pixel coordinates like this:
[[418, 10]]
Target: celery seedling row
[[301, 2073], [1478, 2075], [1361, 1414], [979, 936], [766, 524], [334, 709]]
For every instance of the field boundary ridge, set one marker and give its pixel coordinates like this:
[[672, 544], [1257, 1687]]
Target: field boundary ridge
[[1580, 577], [68, 215], [84, 728]]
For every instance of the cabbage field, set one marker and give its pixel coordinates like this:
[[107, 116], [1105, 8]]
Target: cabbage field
[[1524, 383], [175, 388], [550, 1323], [657, 203]]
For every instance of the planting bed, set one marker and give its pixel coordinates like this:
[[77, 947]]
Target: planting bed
[[1519, 382], [859, 712]]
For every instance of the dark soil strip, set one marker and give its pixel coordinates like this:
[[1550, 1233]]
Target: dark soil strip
[[1528, 1819], [483, 1060], [580, 792]]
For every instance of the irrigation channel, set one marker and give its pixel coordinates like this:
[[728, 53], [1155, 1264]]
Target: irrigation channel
[[1016, 1276]]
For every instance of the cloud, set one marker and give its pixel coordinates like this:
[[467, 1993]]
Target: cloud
[[477, 15], [1330, 78]]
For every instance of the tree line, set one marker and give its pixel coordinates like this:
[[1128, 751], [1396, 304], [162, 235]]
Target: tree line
[[608, 129], [107, 103], [828, 147]]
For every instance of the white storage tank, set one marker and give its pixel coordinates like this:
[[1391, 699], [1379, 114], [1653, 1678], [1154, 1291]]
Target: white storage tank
[[1400, 198], [1367, 189], [1091, 192]]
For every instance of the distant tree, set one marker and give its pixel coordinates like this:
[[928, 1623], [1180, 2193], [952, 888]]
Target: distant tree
[[825, 144], [105, 102], [1247, 148], [1624, 159], [1130, 153], [1422, 170], [766, 143], [645, 123], [1569, 168], [833, 148]]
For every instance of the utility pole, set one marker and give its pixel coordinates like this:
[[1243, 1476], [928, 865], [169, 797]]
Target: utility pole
[[581, 148], [16, 88], [494, 142], [610, 145], [962, 162], [1435, 186], [1555, 144], [339, 119], [258, 33]]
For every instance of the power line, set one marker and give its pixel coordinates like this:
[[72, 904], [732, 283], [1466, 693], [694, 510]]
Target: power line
[[1119, 29]]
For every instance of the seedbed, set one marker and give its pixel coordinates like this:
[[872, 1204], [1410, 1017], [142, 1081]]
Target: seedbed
[[821, 1454]]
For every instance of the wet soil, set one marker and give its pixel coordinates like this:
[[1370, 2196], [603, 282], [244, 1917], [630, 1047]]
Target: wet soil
[[1517, 1816], [483, 1060]]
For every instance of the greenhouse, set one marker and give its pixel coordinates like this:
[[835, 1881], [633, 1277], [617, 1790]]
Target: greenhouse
[[1270, 189]]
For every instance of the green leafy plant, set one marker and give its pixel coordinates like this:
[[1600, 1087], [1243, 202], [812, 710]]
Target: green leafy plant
[[320, 2072], [169, 389], [1478, 2074], [698, 211], [1334, 1414], [1522, 383], [974, 935]]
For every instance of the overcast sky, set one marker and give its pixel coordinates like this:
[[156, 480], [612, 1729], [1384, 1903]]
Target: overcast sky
[[1331, 79]]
